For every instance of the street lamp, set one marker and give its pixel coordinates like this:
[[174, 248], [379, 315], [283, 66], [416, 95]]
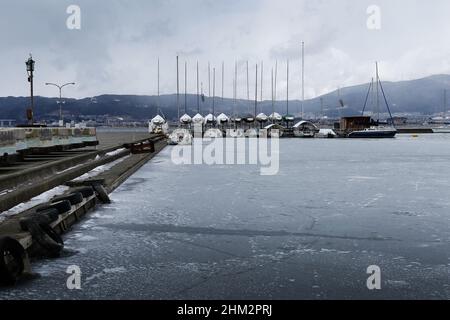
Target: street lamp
[[30, 69], [61, 122]]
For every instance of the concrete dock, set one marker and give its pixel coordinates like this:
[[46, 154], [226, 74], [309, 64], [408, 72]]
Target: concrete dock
[[76, 180]]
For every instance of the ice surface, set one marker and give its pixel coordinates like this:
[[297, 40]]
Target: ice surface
[[310, 232]]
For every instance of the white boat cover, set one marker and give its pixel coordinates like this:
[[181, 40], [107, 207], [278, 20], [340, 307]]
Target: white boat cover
[[158, 120], [210, 118], [198, 118], [262, 117], [222, 118], [275, 116], [185, 119]]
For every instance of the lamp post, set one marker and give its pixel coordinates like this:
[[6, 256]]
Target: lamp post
[[30, 69], [61, 122]]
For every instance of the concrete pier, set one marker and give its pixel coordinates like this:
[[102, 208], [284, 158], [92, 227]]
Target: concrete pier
[[61, 175]]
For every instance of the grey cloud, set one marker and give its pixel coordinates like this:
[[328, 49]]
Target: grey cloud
[[117, 48]]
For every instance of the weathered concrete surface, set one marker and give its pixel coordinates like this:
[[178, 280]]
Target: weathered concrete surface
[[40, 176], [27, 192], [111, 180]]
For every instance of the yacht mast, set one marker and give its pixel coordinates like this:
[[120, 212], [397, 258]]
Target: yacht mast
[[178, 90], [273, 102], [262, 78], [275, 82], [235, 88], [223, 78], [185, 87], [159, 99], [303, 78], [378, 93], [445, 104], [256, 91], [198, 96], [209, 79], [214, 91], [287, 88], [248, 89]]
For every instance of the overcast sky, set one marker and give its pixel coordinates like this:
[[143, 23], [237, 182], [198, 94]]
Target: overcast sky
[[117, 48]]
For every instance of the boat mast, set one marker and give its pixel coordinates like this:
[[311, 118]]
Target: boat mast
[[287, 88], [198, 97], [303, 78], [209, 85], [158, 95], [273, 102], [235, 89], [214, 91], [262, 78], [209, 79], [445, 104], [321, 109], [248, 91], [256, 91], [178, 91], [185, 87], [378, 93], [223, 78], [275, 82]]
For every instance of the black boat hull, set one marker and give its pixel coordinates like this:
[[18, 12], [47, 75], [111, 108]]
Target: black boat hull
[[388, 134]]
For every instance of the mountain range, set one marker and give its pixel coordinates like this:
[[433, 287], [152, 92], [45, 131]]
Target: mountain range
[[422, 96]]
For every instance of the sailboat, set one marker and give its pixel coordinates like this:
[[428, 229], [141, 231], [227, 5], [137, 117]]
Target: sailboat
[[210, 119], [304, 129], [198, 118], [248, 118], [274, 130], [235, 132], [158, 124], [288, 118], [261, 118], [365, 127], [445, 128], [252, 132], [182, 135], [222, 119]]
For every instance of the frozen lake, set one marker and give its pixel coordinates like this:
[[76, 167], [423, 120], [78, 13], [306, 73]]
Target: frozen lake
[[310, 232]]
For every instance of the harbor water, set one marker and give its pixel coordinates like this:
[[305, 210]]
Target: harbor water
[[335, 208]]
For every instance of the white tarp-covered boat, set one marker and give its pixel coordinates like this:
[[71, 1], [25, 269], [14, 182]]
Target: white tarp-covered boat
[[222, 119], [249, 118], [158, 125], [262, 117], [275, 117], [210, 118], [180, 137], [185, 119], [198, 118]]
